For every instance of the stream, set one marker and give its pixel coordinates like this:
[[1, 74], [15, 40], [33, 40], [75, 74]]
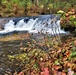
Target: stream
[[7, 48], [29, 24]]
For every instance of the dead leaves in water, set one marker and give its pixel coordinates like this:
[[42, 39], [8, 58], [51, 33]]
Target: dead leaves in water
[[59, 60], [15, 37]]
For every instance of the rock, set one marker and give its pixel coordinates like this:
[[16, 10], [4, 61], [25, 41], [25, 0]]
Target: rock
[[3, 21], [1, 27]]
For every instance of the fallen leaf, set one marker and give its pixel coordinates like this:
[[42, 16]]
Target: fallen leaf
[[67, 53], [75, 43], [63, 73], [45, 72], [21, 73], [57, 67]]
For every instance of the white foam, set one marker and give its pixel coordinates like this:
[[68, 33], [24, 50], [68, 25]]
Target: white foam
[[34, 26], [9, 26]]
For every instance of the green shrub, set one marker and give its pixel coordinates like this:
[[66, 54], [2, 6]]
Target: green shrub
[[68, 21]]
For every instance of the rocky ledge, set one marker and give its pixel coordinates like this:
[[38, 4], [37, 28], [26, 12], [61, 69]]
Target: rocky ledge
[[3, 21]]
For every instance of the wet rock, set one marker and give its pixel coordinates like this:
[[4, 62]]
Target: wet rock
[[3, 21], [1, 27]]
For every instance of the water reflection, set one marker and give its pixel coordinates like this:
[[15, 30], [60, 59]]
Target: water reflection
[[7, 48]]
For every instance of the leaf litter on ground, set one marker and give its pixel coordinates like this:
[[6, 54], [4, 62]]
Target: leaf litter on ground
[[35, 57]]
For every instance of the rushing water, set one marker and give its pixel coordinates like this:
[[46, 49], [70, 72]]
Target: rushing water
[[45, 23]]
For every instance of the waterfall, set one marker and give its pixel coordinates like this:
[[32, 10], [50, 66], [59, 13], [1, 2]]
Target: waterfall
[[45, 23]]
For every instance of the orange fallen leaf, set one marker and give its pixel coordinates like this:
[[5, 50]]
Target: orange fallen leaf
[[45, 72], [67, 54], [42, 73], [56, 67], [21, 73], [45, 69], [69, 64], [63, 73]]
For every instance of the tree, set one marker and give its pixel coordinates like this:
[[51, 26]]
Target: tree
[[0, 2], [35, 2], [25, 6]]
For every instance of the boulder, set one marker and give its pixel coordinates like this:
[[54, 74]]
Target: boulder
[[3, 21]]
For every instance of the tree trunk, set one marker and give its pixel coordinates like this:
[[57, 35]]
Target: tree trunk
[[33, 1], [0, 2], [37, 2]]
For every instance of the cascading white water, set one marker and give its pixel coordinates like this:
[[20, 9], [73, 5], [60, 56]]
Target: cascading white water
[[42, 23]]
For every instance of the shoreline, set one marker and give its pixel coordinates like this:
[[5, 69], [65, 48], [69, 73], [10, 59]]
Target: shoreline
[[26, 35]]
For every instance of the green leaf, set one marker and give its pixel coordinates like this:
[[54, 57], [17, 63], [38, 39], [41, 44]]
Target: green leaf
[[74, 74], [73, 54], [60, 12], [72, 18], [56, 62], [74, 22]]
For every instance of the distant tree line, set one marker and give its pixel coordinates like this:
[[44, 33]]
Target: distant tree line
[[36, 2]]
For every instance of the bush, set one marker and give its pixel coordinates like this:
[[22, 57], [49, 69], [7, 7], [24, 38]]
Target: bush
[[68, 20]]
